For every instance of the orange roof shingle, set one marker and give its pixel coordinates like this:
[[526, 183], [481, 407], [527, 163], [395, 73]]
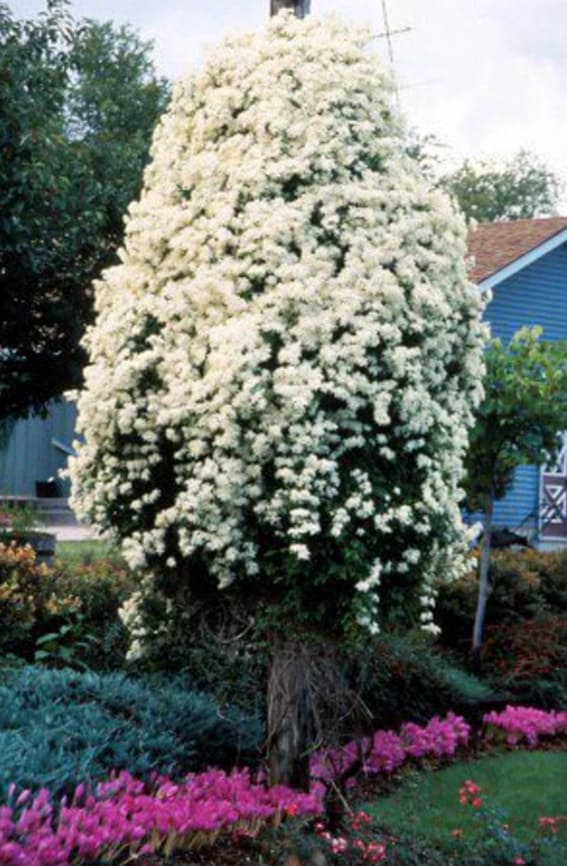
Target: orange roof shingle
[[493, 246]]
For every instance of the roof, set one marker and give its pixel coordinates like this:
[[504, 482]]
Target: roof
[[508, 246]]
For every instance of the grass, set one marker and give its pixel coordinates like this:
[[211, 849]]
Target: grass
[[521, 786], [85, 552]]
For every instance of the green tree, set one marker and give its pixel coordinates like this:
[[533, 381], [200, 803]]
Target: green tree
[[78, 102], [112, 103], [519, 422], [285, 363], [521, 188]]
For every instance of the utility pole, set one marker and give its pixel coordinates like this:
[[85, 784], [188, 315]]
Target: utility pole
[[300, 7]]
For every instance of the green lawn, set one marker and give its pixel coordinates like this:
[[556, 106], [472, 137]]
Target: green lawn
[[521, 786], [85, 552]]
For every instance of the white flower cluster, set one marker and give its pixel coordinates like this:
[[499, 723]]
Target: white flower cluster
[[289, 352], [135, 618]]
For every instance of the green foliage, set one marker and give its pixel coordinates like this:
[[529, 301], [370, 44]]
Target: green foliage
[[526, 646], [69, 612], [527, 585], [226, 652], [86, 552], [404, 678], [78, 105], [113, 101], [28, 600], [523, 412], [521, 188], [100, 588], [58, 728], [17, 516], [217, 643], [63, 647], [530, 659]]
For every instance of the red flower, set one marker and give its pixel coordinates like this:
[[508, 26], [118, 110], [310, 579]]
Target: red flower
[[468, 793]]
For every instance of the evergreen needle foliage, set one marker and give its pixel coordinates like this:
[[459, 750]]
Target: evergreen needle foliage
[[59, 728]]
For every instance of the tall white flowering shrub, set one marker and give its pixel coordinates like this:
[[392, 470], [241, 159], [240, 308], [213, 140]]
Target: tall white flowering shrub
[[285, 362]]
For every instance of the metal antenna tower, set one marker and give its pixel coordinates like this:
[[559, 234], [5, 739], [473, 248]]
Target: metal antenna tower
[[387, 32]]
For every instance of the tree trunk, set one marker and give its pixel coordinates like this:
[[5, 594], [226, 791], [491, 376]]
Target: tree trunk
[[300, 7], [290, 716], [483, 585]]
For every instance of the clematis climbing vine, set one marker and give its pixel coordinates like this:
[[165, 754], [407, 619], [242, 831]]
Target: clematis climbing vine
[[286, 360]]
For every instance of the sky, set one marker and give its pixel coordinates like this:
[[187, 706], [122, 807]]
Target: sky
[[487, 77]]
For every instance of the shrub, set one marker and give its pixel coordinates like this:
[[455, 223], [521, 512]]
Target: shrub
[[219, 646], [29, 599], [72, 601], [523, 586], [61, 727], [526, 647], [404, 678], [397, 677], [530, 658], [101, 585]]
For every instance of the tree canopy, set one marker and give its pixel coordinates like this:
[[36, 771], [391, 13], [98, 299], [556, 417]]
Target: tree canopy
[[487, 189], [520, 188], [78, 103], [522, 414]]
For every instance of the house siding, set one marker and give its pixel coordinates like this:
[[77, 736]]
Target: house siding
[[536, 295], [30, 455]]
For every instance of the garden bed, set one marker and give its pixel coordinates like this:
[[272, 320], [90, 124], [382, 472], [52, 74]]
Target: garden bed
[[125, 820]]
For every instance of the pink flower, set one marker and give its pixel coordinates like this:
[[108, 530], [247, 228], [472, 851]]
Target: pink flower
[[526, 723]]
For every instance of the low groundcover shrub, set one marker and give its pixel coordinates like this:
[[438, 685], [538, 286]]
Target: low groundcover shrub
[[61, 727]]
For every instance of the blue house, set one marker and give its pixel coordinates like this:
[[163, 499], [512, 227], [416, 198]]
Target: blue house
[[34, 449], [524, 264]]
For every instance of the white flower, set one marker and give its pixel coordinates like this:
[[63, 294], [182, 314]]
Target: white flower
[[288, 347]]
